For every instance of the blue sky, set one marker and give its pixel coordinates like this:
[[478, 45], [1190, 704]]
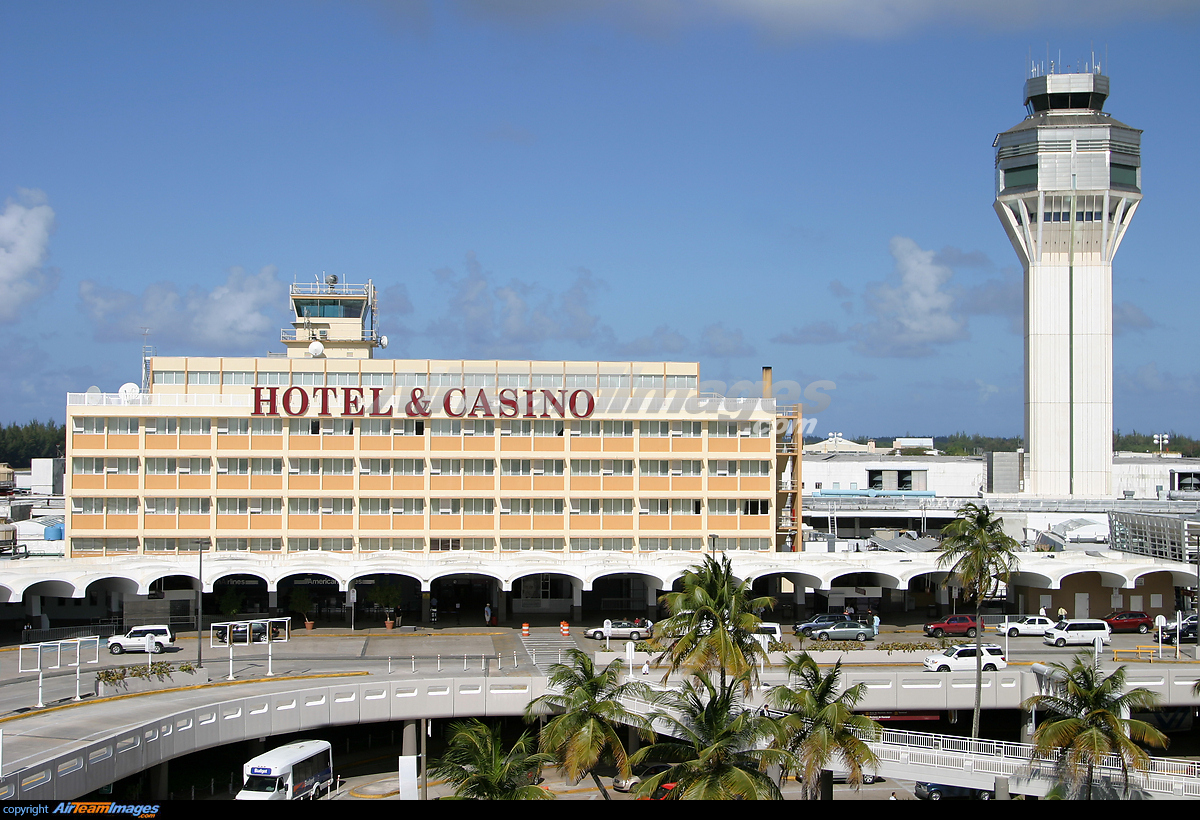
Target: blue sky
[[806, 185]]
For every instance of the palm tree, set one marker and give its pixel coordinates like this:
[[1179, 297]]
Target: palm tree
[[820, 725], [1085, 724], [712, 623], [479, 768], [980, 557], [585, 734], [722, 751]]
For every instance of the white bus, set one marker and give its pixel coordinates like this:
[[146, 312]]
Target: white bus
[[291, 772]]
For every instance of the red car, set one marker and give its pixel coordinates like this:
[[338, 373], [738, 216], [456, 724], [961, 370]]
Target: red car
[[952, 625], [1129, 622]]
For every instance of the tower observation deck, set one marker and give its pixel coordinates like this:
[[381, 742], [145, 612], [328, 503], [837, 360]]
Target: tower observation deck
[[333, 320], [1068, 182]]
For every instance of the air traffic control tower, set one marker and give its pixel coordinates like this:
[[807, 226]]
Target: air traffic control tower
[[1068, 181]]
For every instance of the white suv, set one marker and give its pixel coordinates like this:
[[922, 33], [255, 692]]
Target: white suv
[[135, 639], [961, 658]]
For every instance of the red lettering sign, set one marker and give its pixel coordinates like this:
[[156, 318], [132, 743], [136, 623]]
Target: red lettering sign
[[295, 401]]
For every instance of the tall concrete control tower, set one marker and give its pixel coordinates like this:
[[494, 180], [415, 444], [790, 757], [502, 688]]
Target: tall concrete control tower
[[1068, 181]]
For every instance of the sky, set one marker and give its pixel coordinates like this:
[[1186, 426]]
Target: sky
[[801, 184]]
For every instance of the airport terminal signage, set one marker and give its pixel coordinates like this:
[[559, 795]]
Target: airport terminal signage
[[456, 402]]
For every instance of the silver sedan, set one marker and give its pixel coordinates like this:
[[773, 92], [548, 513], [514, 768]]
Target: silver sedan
[[844, 631], [623, 629]]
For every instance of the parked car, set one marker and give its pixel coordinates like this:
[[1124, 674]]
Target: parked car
[[259, 632], [1077, 632], [632, 630], [844, 631], [638, 775], [1187, 633], [844, 777], [961, 658], [1029, 625], [135, 639], [952, 625], [806, 628], [940, 791], [1187, 619], [1129, 622]]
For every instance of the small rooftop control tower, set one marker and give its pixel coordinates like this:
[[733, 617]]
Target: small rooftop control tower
[[1068, 181], [332, 320]]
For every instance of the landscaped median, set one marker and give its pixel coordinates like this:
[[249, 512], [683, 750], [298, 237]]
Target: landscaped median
[[823, 652], [128, 680]]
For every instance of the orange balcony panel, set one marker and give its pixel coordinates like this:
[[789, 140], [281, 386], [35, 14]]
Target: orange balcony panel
[[195, 482], [548, 522], [266, 482], [304, 522], [408, 482], [654, 523], [121, 442], [445, 523], [194, 443], [375, 443], [233, 522], [585, 483], [613, 483], [304, 443], [687, 445], [586, 444], [686, 483], [375, 482], [654, 483], [719, 523], [442, 444], [761, 523], [337, 482], [479, 482], [687, 523], [477, 444], [194, 522], [445, 482], [655, 445], [549, 444], [154, 482], [90, 441], [756, 445], [621, 523], [374, 522], [304, 482], [408, 443], [339, 444], [272, 523], [120, 522], [233, 482], [516, 444], [510, 483], [408, 522], [88, 482], [618, 445], [551, 483], [339, 523], [479, 522], [264, 443], [157, 442], [241, 443], [722, 445], [89, 522], [757, 483], [517, 522], [160, 522], [718, 483], [130, 482]]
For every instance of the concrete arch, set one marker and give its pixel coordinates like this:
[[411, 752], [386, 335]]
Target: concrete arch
[[1179, 578], [1027, 578], [62, 588], [233, 571], [8, 595], [375, 571], [882, 576], [938, 576], [292, 572], [504, 580], [658, 580], [158, 575]]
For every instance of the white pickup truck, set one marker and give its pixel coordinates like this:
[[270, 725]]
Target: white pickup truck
[[135, 639]]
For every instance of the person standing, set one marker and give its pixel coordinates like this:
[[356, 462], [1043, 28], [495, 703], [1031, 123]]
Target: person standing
[[487, 614], [1062, 613], [875, 623]]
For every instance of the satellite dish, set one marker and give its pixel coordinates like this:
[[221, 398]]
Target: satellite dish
[[94, 396], [331, 280], [383, 341], [129, 391], [316, 350]]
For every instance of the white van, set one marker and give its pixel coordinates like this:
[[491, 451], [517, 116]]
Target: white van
[[1077, 632], [291, 772], [766, 632]]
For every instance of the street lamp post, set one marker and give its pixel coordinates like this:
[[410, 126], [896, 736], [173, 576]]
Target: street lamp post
[[712, 539], [1162, 440]]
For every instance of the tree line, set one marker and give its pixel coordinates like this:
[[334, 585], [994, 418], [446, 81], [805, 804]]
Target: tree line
[[19, 443]]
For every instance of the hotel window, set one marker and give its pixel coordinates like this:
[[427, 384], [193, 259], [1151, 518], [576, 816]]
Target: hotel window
[[87, 466], [589, 429], [195, 466], [266, 506], [167, 377], [686, 506], [376, 466], [445, 427], [160, 506], [88, 425], [723, 429], [266, 466], [304, 466], [516, 506], [756, 506], [375, 506], [343, 379], [681, 382], [601, 543], [516, 428], [337, 544], [266, 544], [479, 427], [655, 429], [337, 506], [614, 381], [687, 429], [233, 466], [478, 466], [690, 469], [195, 427], [266, 427], [309, 379], [233, 544], [756, 429], [548, 466], [303, 544], [233, 427], [410, 380], [547, 506], [408, 506], [376, 380], [161, 426], [655, 468], [437, 380], [548, 380], [237, 377], [233, 506], [304, 506], [123, 466], [655, 506], [193, 506], [272, 378], [516, 466], [648, 382], [585, 506], [723, 506], [618, 506], [337, 466], [754, 468], [580, 381], [722, 469], [304, 427], [381, 544], [445, 506], [408, 427], [517, 380], [552, 427], [121, 506], [375, 427], [408, 466], [585, 467], [338, 427], [479, 380], [516, 544], [87, 506], [477, 506], [445, 466], [618, 429], [204, 377], [161, 466], [122, 426], [617, 467]]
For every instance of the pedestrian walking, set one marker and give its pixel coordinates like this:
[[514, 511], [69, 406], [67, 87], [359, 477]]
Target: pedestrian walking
[[1062, 614], [875, 623], [646, 668], [487, 614], [1042, 612]]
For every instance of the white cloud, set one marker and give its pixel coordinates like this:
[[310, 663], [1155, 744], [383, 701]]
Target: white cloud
[[25, 228], [716, 340], [244, 312], [914, 312], [1126, 316], [663, 342]]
